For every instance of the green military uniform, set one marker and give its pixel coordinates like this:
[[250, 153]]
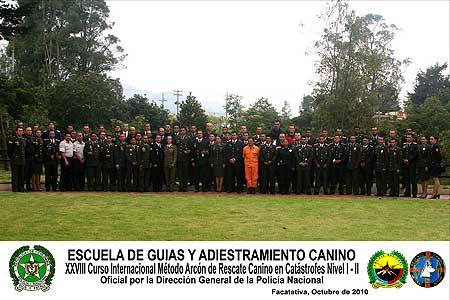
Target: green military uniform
[[352, 172], [107, 156], [381, 160], [366, 169], [409, 156], [267, 154], [303, 160], [16, 152], [29, 154], [394, 163], [424, 162], [51, 158], [132, 180], [92, 154], [321, 158], [170, 163], [337, 163], [183, 160], [294, 146], [217, 159], [145, 166], [120, 161]]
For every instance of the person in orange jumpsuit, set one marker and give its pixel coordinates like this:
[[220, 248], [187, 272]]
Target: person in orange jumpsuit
[[250, 153]]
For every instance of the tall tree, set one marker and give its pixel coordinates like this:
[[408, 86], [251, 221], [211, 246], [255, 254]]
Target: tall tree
[[234, 110], [358, 71], [286, 113], [11, 18], [192, 112], [434, 81], [307, 105], [431, 117], [66, 38], [260, 114], [139, 105]]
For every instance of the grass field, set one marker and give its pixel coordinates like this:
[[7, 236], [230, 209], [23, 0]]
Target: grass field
[[113, 216]]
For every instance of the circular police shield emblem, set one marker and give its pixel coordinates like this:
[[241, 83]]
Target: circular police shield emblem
[[387, 269], [427, 269], [32, 269]]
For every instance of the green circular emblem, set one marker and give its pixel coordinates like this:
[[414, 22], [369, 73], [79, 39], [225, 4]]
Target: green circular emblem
[[32, 269]]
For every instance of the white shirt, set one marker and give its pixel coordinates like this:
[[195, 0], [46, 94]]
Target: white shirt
[[66, 148], [79, 148]]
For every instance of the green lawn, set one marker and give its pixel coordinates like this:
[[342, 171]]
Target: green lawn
[[112, 216]]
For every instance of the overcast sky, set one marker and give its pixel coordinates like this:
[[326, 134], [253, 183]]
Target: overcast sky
[[255, 49]]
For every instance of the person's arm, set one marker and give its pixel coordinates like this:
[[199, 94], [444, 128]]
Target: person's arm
[[63, 154]]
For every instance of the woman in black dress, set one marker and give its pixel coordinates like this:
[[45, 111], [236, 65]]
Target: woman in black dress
[[436, 167], [424, 164]]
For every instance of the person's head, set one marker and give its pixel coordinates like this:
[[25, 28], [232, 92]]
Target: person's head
[[101, 128], [321, 139], [176, 128], [183, 130], [132, 130], [228, 136], [291, 129], [28, 131], [133, 141], [374, 131], [102, 135], [409, 130], [356, 130], [109, 139], [276, 124], [116, 128], [138, 136], [161, 131], [433, 139], [158, 138], [169, 140], [245, 136], [258, 130], [93, 136], [35, 127], [145, 139], [392, 134], [51, 134], [409, 138], [79, 137], [125, 126], [251, 142], [298, 136], [19, 131], [365, 141], [339, 131], [86, 129], [234, 136], [38, 133], [200, 134], [212, 137], [243, 129], [263, 137], [268, 139], [122, 137], [20, 124], [209, 127], [285, 143], [224, 129], [352, 139], [218, 139], [67, 136], [168, 127], [423, 140], [308, 132], [393, 142], [147, 126], [380, 140], [50, 125], [73, 134], [303, 140], [337, 139], [193, 128], [282, 137], [324, 132], [69, 128]]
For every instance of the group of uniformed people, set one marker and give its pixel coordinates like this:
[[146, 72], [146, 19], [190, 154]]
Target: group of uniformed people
[[176, 158]]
